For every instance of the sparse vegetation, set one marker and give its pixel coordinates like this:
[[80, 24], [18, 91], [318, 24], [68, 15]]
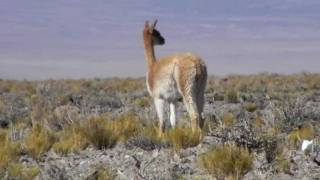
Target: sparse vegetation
[[67, 116], [227, 161]]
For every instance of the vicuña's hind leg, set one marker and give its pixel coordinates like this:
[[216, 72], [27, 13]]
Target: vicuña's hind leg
[[173, 114], [200, 105], [191, 105], [159, 103]]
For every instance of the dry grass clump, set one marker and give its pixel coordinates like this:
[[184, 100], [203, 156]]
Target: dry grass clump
[[99, 132], [39, 141], [71, 139], [126, 126], [228, 119], [151, 132], [282, 164], [232, 96], [103, 133], [19, 171], [305, 132], [183, 137], [227, 161], [250, 106], [142, 102], [9, 150]]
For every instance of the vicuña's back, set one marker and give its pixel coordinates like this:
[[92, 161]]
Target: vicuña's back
[[172, 77]]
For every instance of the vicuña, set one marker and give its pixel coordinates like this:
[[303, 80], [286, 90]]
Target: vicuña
[[172, 77]]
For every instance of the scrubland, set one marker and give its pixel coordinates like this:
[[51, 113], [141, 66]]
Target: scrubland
[[107, 129]]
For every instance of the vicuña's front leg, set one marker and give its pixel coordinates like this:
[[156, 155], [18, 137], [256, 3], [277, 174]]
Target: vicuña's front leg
[[173, 114], [159, 103]]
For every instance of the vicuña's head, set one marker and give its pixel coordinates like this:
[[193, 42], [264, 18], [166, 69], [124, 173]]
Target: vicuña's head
[[153, 35]]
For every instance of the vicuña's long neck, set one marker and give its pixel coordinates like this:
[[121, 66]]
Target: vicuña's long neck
[[149, 53]]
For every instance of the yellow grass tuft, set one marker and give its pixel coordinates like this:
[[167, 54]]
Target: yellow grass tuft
[[227, 161], [142, 102], [183, 137], [9, 150], [250, 106], [39, 141], [19, 171], [71, 139], [126, 126], [99, 133], [228, 119], [232, 96]]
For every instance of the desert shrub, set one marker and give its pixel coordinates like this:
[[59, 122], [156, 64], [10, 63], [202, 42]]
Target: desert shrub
[[19, 171], [228, 119], [232, 96], [183, 137], [9, 150], [71, 139], [39, 141], [250, 106], [227, 161], [305, 132]]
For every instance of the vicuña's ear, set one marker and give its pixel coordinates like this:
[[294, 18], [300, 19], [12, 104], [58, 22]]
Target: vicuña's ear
[[146, 25], [154, 24]]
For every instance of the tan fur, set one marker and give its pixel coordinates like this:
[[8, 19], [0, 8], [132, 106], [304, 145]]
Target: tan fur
[[182, 75]]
